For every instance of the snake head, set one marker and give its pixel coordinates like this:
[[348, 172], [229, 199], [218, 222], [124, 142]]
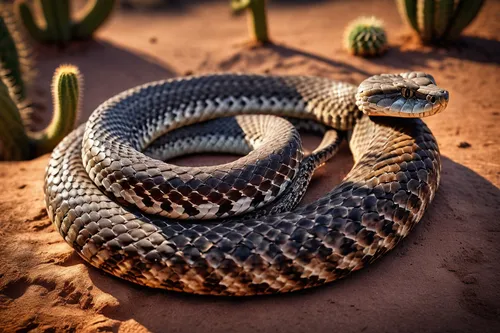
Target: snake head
[[410, 95]]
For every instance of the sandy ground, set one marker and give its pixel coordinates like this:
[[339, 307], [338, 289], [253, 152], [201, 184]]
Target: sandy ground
[[443, 278]]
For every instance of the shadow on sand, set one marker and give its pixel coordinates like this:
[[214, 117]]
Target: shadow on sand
[[280, 57], [287, 52], [180, 6], [107, 70], [471, 48], [454, 239]]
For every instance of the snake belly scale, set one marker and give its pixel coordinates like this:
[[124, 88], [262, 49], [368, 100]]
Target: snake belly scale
[[102, 188]]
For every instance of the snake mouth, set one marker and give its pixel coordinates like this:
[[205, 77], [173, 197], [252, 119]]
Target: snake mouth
[[410, 95]]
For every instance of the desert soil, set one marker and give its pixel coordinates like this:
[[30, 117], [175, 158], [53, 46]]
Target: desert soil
[[443, 278]]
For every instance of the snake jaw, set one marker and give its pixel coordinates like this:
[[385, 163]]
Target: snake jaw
[[410, 95]]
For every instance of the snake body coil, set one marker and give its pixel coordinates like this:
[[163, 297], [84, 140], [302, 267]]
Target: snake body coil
[[120, 208]]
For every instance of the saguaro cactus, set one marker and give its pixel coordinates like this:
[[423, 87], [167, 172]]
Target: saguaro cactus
[[257, 18], [15, 56], [16, 142], [58, 26], [436, 20], [365, 36]]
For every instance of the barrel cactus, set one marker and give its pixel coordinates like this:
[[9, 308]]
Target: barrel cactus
[[365, 36], [15, 55], [18, 143], [438, 20], [257, 18], [58, 26]]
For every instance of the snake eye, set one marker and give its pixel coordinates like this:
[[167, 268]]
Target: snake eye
[[431, 99], [407, 93]]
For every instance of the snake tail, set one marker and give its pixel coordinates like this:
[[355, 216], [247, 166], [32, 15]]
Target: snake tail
[[365, 36], [438, 20], [58, 26], [257, 17]]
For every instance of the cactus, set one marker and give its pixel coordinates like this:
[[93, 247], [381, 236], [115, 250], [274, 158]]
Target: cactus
[[15, 56], [257, 18], [365, 36], [58, 26], [16, 142], [437, 20]]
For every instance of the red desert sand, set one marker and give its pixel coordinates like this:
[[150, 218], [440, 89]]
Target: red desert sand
[[443, 278]]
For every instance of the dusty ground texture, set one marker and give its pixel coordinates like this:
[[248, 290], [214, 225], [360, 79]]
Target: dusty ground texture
[[442, 278]]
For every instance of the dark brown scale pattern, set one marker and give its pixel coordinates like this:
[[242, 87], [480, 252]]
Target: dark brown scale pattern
[[395, 176], [118, 130]]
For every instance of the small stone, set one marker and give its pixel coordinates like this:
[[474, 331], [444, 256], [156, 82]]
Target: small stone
[[469, 279], [464, 144]]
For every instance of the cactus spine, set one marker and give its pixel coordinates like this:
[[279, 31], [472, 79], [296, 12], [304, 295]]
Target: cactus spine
[[365, 36], [66, 88], [436, 20], [257, 18], [58, 27], [18, 143], [14, 54]]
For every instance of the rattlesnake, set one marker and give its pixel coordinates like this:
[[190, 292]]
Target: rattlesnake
[[121, 209]]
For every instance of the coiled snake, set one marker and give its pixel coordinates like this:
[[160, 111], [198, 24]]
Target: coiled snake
[[122, 210]]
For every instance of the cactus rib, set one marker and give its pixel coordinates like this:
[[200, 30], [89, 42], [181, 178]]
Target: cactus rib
[[66, 87], [26, 16], [408, 10], [92, 17], [58, 27], [443, 11], [13, 139], [365, 36], [14, 54], [465, 13], [436, 20], [425, 18], [257, 18]]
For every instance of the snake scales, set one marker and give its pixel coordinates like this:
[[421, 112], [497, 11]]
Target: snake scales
[[120, 209]]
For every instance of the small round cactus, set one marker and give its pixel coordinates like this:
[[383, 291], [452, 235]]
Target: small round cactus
[[365, 36]]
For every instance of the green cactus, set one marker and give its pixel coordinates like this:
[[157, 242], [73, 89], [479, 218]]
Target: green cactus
[[257, 18], [14, 142], [58, 26], [437, 20], [15, 56], [17, 143], [365, 36]]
